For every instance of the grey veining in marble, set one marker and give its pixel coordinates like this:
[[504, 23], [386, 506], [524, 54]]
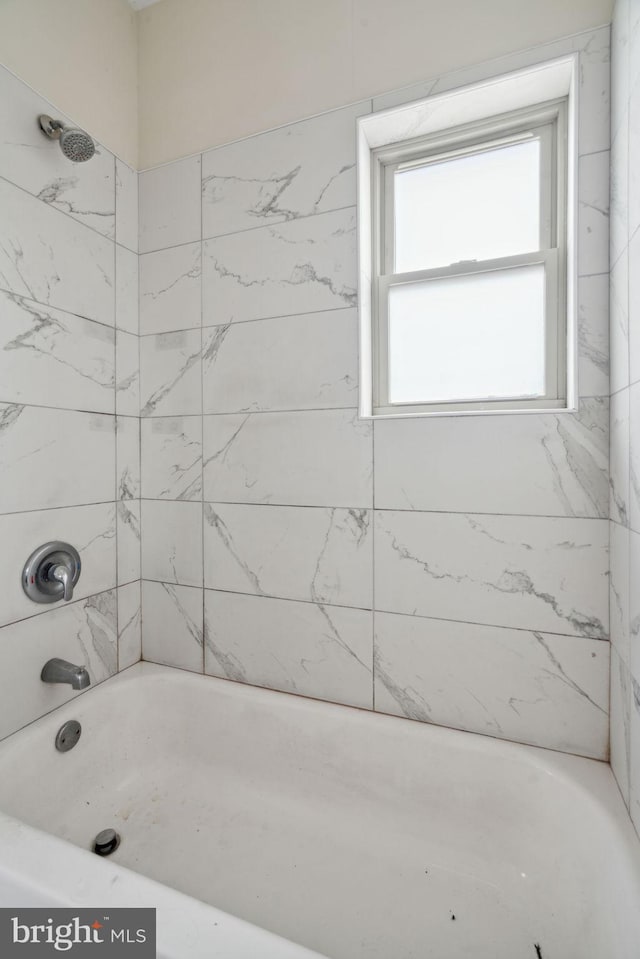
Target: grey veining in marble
[[126, 290], [318, 555], [54, 457], [129, 624], [619, 465], [546, 574], [84, 191], [129, 540], [172, 542], [51, 358], [170, 377], [128, 457], [48, 257], [301, 266], [551, 465], [310, 458], [172, 458], [297, 170], [82, 632], [593, 335], [172, 632], [621, 691], [313, 650], [291, 362], [619, 322], [619, 589], [527, 686], [127, 374], [170, 289], [126, 206]]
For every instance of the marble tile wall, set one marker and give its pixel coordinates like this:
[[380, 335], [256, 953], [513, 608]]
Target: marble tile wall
[[452, 570], [69, 404], [625, 403]]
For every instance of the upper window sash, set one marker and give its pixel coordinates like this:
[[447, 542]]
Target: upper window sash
[[547, 123]]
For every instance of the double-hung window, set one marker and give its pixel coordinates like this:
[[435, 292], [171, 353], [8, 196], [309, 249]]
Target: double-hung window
[[468, 279]]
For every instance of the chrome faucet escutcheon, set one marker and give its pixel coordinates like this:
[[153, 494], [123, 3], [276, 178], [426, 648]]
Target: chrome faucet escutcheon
[[51, 573]]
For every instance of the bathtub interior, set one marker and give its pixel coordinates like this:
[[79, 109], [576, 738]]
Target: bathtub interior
[[353, 834]]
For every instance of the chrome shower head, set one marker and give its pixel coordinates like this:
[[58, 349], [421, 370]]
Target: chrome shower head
[[75, 144]]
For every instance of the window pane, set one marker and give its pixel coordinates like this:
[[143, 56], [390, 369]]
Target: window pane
[[468, 338], [477, 207]]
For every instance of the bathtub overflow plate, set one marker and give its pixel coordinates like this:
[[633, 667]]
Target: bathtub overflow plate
[[68, 735]]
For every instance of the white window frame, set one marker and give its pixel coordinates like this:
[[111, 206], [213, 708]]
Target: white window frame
[[382, 149]]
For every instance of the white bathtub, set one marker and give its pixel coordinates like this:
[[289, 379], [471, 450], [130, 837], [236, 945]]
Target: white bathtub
[[355, 835]]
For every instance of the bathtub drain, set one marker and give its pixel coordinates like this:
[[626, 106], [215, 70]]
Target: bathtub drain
[[106, 842]]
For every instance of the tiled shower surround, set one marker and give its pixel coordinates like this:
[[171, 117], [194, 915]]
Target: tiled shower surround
[[450, 569], [69, 407], [625, 403]]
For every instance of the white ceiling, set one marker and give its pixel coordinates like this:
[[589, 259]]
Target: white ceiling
[[139, 4]]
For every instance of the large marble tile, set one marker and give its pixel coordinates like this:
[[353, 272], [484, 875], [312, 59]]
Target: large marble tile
[[531, 687], [312, 458], [297, 170], [129, 625], [319, 651], [527, 572], [287, 363], [619, 589], [54, 458], [318, 555], [621, 692], [172, 542], [172, 625], [126, 290], [593, 213], [129, 540], [550, 465], [91, 529], [84, 633], [170, 205], [302, 266], [128, 457], [50, 258], [170, 377], [619, 320], [593, 335], [85, 191], [56, 359], [171, 289], [631, 445], [126, 206], [127, 374], [619, 454], [172, 458]]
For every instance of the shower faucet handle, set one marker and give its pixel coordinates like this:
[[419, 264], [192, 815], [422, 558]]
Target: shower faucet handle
[[51, 573], [64, 575]]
